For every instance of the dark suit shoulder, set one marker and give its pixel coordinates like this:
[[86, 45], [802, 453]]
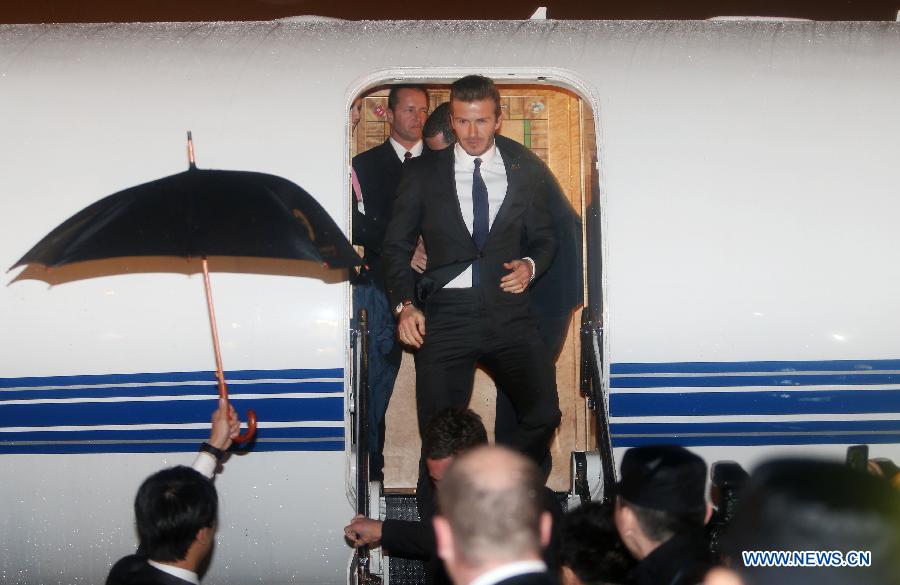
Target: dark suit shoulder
[[510, 147], [427, 162], [375, 155], [529, 579], [135, 570]]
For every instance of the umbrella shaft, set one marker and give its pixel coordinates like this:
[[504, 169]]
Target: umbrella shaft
[[220, 374]]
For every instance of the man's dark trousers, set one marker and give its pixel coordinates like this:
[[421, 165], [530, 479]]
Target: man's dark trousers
[[462, 330]]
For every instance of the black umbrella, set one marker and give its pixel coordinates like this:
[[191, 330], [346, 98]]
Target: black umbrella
[[201, 213]]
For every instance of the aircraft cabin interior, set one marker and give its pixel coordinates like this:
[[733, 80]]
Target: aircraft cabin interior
[[558, 126]]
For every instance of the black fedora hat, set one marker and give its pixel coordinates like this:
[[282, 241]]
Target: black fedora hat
[[663, 477]]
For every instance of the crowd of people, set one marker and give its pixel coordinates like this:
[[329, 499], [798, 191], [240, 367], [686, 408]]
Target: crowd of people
[[472, 256], [495, 524], [492, 521]]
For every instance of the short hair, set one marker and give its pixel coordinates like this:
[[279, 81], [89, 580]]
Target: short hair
[[806, 504], [590, 545], [171, 506], [438, 122], [395, 89], [491, 499], [452, 431], [472, 88], [661, 525]]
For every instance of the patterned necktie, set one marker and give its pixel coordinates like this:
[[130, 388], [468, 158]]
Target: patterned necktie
[[480, 210], [407, 155]]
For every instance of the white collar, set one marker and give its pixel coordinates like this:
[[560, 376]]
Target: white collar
[[508, 570], [182, 574], [464, 157], [401, 150]]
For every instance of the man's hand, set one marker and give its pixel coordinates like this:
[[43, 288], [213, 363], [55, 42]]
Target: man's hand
[[225, 426], [517, 280], [363, 531], [420, 258], [411, 327]]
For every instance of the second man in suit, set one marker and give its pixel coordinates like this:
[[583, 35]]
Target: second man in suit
[[376, 176]]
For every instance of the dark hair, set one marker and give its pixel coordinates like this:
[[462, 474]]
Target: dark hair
[[472, 88], [395, 89], [452, 431], [661, 525], [171, 506], [438, 122], [589, 544], [800, 505]]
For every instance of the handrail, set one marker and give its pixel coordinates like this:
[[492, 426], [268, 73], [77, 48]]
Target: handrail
[[363, 576], [592, 389]]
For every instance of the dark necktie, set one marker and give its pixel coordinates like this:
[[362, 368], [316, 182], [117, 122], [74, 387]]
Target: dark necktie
[[480, 210], [406, 156]]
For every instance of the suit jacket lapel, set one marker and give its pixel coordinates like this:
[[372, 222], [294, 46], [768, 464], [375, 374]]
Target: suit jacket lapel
[[513, 188], [448, 167], [390, 159]]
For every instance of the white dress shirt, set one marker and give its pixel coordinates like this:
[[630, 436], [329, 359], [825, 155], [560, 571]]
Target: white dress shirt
[[183, 574], [401, 154], [493, 172], [504, 572], [402, 150], [206, 464]]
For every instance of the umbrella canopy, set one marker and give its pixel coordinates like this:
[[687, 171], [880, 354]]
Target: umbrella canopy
[[200, 213]]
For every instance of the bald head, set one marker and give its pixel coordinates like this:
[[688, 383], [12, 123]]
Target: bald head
[[490, 498]]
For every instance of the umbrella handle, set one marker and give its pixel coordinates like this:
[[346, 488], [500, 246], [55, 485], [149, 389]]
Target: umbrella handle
[[251, 414], [251, 428]]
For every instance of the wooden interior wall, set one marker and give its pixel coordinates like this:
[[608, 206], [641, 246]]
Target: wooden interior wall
[[549, 121]]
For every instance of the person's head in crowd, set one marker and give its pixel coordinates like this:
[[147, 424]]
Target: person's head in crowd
[[175, 512], [475, 113], [591, 552], [661, 493], [885, 468], [355, 113], [406, 113], [813, 505], [490, 513], [450, 432], [437, 132]]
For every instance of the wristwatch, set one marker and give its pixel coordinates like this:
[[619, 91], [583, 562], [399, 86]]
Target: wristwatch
[[399, 308], [214, 451]]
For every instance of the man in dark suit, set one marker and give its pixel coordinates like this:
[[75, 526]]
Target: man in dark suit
[[176, 515], [376, 176], [660, 513], [482, 210], [449, 434], [175, 512], [553, 296], [490, 526]]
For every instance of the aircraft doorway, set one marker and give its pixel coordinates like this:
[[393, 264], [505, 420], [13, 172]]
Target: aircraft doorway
[[558, 126]]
